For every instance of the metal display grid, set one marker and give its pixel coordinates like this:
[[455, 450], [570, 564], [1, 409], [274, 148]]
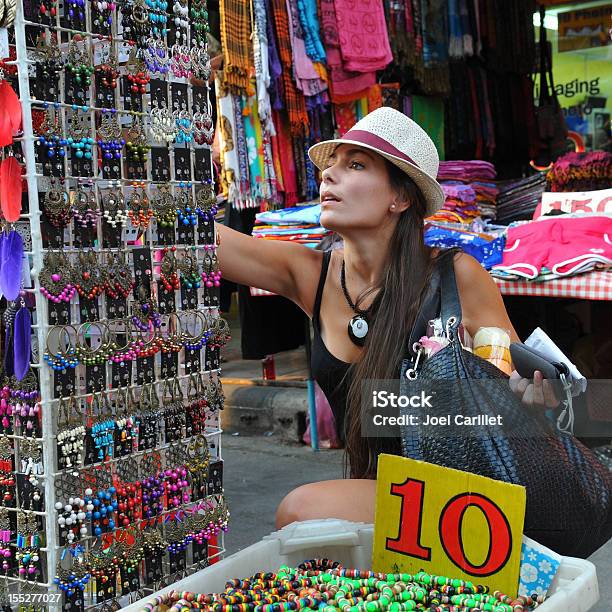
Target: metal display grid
[[27, 591]]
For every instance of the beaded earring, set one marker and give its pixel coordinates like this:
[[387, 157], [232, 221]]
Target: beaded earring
[[6, 535], [56, 278], [139, 208], [52, 132], [190, 273], [65, 357], [28, 543], [109, 70], [85, 207], [204, 130], [102, 427], [156, 56], [102, 15], [211, 275], [71, 518], [220, 333], [164, 207], [184, 126], [113, 206], [137, 143], [136, 71], [6, 408], [195, 341], [168, 274], [157, 16], [79, 132], [57, 206], [109, 136], [185, 209], [79, 63], [163, 126], [181, 61], [144, 313], [26, 396], [89, 276], [181, 20], [213, 392], [199, 21], [196, 407], [70, 436], [76, 14], [119, 278], [200, 62], [152, 485], [174, 411], [7, 475], [206, 203], [50, 56], [73, 579]]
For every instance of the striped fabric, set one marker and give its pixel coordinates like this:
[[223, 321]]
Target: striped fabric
[[294, 100], [236, 42]]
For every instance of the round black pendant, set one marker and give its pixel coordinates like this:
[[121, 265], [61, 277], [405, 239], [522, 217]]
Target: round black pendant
[[358, 329]]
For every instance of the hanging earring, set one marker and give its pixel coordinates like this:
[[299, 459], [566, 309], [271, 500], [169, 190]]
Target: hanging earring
[[164, 207], [109, 70], [211, 275], [190, 275], [206, 203], [79, 64], [169, 270], [113, 206], [137, 73], [52, 132], [89, 277], [56, 278], [79, 133], [137, 144], [185, 210], [109, 137], [119, 277], [57, 206], [139, 208]]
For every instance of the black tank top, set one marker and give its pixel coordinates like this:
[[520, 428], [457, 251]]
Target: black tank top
[[330, 373]]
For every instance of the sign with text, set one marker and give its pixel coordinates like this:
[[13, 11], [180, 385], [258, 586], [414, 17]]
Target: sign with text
[[447, 522], [588, 202]]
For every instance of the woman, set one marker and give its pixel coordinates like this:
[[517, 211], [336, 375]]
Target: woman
[[378, 184]]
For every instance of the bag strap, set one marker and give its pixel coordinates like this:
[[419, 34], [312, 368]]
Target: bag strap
[[450, 305], [543, 48], [431, 305]]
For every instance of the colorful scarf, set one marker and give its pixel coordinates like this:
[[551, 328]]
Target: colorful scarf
[[435, 32], [235, 39], [244, 198], [306, 77], [230, 174], [343, 84], [254, 144], [285, 155], [262, 67], [274, 64], [294, 100], [363, 51], [309, 19]]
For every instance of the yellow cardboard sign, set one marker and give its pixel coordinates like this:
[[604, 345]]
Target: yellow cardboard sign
[[447, 522]]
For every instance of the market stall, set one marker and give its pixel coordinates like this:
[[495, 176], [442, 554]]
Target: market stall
[[112, 474]]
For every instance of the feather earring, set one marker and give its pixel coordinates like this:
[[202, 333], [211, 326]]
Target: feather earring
[[22, 341], [10, 189], [11, 264]]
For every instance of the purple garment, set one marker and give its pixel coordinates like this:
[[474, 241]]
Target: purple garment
[[274, 64]]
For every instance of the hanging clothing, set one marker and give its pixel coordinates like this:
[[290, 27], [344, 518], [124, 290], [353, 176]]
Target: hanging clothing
[[236, 43], [363, 37]]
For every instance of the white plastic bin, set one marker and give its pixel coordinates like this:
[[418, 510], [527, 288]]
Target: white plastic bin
[[574, 588]]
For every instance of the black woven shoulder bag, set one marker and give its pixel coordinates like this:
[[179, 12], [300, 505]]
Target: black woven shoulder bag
[[569, 492]]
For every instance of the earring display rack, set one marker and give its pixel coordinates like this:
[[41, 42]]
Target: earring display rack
[[111, 474]]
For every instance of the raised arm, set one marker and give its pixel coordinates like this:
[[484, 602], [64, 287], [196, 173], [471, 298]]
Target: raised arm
[[284, 268]]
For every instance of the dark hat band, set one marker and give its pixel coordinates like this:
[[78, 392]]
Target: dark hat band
[[377, 142]]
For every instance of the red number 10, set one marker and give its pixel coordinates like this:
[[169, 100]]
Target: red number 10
[[408, 541]]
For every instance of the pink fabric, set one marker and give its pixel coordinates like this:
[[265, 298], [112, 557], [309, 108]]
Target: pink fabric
[[564, 246], [326, 424], [363, 36], [343, 82]]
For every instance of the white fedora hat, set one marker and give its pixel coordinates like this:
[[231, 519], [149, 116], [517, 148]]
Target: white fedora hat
[[400, 140]]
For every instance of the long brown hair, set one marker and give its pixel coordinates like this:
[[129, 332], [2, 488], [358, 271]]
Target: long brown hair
[[394, 309]]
